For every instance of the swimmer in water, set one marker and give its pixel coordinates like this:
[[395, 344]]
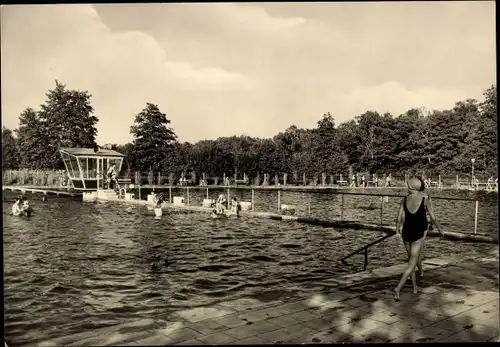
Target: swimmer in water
[[412, 226], [214, 213], [159, 200], [26, 209], [235, 206], [219, 204], [17, 208]]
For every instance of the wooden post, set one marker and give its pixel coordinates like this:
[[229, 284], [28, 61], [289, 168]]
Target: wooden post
[[382, 211], [207, 193], [253, 200], [342, 208], [159, 179], [279, 200], [475, 218], [188, 196], [228, 198], [285, 176], [457, 182], [309, 205], [139, 191], [169, 194]]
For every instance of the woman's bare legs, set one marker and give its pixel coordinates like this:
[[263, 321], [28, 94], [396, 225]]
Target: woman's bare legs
[[415, 249], [419, 264], [414, 282]]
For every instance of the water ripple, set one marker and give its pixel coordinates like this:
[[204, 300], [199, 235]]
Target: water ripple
[[75, 266]]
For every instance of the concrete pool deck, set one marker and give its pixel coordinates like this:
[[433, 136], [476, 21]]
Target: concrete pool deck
[[458, 302]]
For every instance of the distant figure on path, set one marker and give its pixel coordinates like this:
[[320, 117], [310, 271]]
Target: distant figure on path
[[412, 226], [489, 182], [388, 181], [112, 176]]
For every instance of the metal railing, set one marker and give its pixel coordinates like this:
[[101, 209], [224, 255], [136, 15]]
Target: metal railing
[[321, 179], [383, 196], [365, 250]]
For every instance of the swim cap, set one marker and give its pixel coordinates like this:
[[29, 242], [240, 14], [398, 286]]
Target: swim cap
[[414, 183], [422, 183]]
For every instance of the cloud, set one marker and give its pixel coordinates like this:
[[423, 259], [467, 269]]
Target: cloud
[[122, 70], [222, 69]]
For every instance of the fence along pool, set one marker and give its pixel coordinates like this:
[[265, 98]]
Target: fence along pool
[[462, 214]]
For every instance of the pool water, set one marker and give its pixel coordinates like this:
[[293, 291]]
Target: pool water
[[76, 266]]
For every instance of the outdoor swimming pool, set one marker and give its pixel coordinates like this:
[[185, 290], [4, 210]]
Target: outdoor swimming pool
[[76, 266]]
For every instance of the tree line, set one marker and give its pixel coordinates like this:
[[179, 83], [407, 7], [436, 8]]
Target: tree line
[[417, 141]]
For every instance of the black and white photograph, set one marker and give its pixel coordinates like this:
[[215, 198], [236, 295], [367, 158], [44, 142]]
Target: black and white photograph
[[231, 173]]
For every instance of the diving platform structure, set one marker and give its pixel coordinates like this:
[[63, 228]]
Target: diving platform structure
[[87, 169]]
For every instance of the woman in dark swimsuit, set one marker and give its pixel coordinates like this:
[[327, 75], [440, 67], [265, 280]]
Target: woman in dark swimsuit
[[414, 229]]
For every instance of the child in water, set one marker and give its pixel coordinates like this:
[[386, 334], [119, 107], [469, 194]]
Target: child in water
[[159, 200], [235, 206], [26, 209]]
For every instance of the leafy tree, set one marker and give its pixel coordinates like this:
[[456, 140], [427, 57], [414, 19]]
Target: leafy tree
[[128, 160], [32, 141], [440, 142], [10, 152], [347, 142], [447, 131], [325, 153], [67, 120], [410, 138], [480, 136], [153, 138], [204, 156], [376, 141]]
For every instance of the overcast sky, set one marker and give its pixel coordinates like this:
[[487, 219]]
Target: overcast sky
[[254, 69]]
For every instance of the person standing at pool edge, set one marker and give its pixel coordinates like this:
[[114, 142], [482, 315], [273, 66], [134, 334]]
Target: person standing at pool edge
[[412, 226], [112, 176]]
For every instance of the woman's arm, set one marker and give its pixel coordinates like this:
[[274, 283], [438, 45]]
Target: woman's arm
[[400, 218], [428, 207]]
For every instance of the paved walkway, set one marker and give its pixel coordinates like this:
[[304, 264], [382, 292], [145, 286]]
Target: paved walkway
[[458, 303]]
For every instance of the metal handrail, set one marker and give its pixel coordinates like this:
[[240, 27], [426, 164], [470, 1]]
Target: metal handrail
[[365, 249]]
